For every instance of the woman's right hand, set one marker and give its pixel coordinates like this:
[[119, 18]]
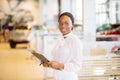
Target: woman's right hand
[[45, 65]]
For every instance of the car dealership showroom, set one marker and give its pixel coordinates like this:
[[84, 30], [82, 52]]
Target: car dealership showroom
[[31, 32]]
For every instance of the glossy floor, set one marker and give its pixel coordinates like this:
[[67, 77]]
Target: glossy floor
[[18, 64]]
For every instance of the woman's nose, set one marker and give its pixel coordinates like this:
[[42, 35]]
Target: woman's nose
[[62, 25]]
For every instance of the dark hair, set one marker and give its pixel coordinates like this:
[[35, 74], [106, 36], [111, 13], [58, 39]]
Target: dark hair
[[67, 14]]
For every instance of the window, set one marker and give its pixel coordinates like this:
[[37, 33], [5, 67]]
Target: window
[[50, 10], [108, 19], [76, 8]]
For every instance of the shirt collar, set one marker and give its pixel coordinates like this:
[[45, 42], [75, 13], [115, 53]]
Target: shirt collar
[[65, 36]]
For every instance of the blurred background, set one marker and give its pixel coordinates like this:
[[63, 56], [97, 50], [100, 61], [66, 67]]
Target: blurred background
[[33, 24]]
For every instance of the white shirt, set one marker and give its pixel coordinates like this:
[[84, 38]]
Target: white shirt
[[69, 52]]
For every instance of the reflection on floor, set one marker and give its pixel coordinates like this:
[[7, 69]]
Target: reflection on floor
[[18, 64]]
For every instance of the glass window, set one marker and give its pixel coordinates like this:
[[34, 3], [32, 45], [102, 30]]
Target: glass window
[[76, 8], [108, 19], [109, 9], [50, 10]]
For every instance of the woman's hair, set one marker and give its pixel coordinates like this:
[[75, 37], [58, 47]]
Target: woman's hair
[[67, 14]]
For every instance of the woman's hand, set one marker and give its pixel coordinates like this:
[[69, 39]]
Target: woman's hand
[[56, 65], [45, 65]]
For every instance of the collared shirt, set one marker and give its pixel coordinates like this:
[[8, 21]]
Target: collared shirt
[[69, 52]]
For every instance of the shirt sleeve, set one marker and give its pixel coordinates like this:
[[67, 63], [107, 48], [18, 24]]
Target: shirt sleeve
[[75, 62]]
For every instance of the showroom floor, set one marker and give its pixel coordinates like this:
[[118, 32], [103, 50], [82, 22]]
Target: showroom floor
[[19, 64]]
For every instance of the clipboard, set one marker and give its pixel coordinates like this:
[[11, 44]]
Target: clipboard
[[42, 58]]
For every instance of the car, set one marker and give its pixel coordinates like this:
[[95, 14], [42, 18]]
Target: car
[[19, 35]]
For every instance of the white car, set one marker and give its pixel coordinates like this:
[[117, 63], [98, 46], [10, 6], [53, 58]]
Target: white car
[[19, 35]]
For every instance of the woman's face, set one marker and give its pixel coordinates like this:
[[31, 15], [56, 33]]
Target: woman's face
[[65, 24]]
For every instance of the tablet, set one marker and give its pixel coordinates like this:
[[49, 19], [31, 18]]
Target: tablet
[[41, 57]]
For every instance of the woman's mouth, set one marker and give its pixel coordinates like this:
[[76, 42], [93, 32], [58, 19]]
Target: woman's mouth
[[63, 30]]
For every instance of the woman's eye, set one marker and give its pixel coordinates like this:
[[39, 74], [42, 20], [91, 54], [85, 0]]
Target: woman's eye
[[66, 23], [60, 23]]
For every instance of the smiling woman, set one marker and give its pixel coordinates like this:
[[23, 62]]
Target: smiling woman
[[66, 22], [67, 54]]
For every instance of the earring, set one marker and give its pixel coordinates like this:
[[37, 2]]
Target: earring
[[72, 28]]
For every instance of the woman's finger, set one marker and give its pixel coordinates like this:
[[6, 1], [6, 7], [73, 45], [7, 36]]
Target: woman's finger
[[45, 65]]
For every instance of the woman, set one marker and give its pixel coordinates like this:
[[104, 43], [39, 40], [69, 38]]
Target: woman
[[67, 53]]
